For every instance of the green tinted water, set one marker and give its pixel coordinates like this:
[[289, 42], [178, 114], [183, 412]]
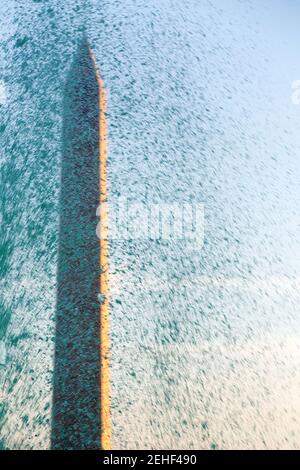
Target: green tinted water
[[205, 349]]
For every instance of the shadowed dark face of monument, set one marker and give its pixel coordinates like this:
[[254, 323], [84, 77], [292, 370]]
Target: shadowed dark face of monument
[[76, 399]]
